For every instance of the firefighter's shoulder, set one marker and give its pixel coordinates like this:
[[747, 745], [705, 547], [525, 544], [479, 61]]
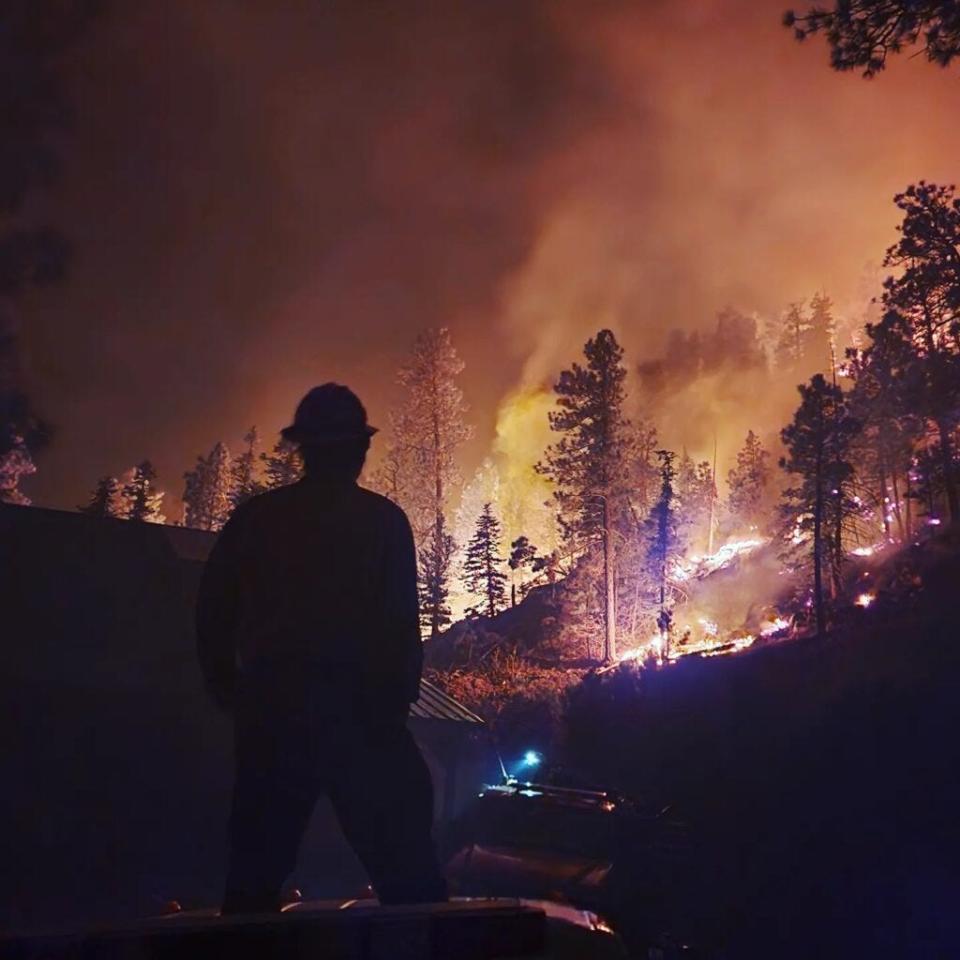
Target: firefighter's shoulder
[[384, 506]]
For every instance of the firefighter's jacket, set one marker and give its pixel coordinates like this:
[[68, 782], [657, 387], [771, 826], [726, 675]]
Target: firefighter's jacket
[[314, 580]]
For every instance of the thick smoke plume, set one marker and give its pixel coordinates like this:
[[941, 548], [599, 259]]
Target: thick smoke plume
[[265, 196]]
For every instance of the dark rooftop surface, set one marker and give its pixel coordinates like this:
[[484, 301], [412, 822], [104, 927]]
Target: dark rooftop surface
[[434, 704], [450, 931]]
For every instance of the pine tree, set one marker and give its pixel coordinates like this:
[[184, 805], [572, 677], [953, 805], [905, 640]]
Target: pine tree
[[927, 488], [482, 568], [588, 463], [484, 488], [682, 354], [246, 480], [695, 494], [642, 487], [818, 443], [144, 501], [15, 464], [643, 475], [107, 499], [391, 475], [208, 497], [734, 342], [428, 430], [748, 483], [818, 340], [804, 345], [921, 325], [663, 541], [430, 426], [885, 445], [282, 466], [435, 562], [523, 558], [789, 349], [863, 33]]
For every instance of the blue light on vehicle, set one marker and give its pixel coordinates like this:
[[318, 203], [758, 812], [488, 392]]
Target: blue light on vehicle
[[531, 758]]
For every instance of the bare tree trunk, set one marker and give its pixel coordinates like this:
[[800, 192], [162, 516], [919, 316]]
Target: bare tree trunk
[[909, 504], [884, 497], [897, 511], [609, 606], [818, 549], [949, 480], [713, 495], [935, 380], [438, 509], [837, 565], [491, 611]]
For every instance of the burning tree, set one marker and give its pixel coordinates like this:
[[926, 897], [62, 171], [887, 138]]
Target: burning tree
[[435, 561], [15, 464], [482, 489], [428, 430], [208, 497], [696, 495], [246, 481], [282, 466], [144, 501], [523, 558], [748, 483], [920, 331], [789, 348], [588, 465], [734, 342], [884, 447], [107, 499], [818, 441], [819, 346], [663, 544], [803, 345], [483, 567]]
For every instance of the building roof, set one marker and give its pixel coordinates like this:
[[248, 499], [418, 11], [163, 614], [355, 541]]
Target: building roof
[[434, 704], [113, 543]]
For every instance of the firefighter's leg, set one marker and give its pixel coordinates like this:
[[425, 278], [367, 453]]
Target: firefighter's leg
[[383, 796], [274, 795]]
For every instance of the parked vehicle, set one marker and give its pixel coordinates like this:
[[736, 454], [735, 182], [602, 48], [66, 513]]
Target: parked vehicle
[[593, 849]]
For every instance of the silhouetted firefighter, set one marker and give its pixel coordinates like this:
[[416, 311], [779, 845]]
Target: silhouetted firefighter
[[307, 629]]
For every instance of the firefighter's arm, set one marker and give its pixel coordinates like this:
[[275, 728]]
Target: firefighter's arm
[[216, 617], [405, 609]]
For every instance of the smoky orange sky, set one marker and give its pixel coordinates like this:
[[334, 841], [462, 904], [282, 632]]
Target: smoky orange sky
[[263, 196]]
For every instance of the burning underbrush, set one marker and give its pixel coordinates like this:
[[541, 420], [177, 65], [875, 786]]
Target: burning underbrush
[[514, 669], [516, 672]]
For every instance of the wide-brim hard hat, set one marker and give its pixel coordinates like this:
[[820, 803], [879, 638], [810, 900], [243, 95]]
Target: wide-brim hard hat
[[326, 414]]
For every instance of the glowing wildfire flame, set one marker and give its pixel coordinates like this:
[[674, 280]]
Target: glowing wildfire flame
[[733, 646], [697, 567], [872, 549], [710, 639], [522, 433], [774, 626]]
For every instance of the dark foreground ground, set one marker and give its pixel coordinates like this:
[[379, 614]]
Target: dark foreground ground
[[346, 930], [820, 778]]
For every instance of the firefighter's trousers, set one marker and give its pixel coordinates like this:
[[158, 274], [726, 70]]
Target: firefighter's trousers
[[371, 769]]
